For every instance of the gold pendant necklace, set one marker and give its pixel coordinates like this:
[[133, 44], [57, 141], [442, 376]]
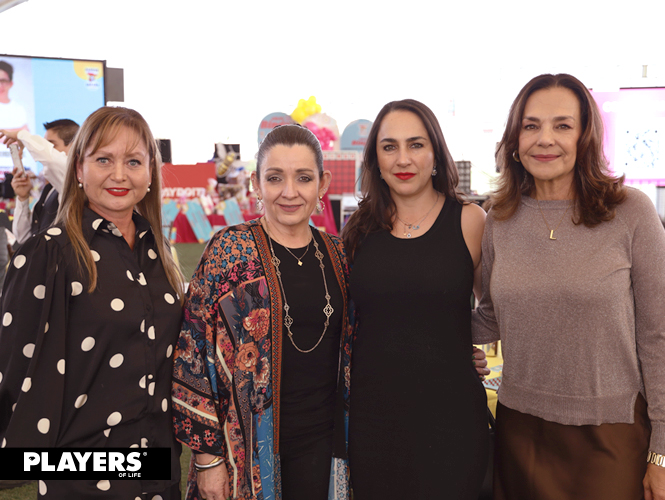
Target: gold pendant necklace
[[327, 310], [299, 259], [552, 237]]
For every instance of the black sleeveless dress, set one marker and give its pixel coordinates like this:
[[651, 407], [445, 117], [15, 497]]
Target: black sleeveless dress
[[418, 421]]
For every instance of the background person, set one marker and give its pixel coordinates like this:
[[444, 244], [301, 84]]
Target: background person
[[573, 280], [418, 417], [51, 150], [12, 114], [259, 373], [91, 313]]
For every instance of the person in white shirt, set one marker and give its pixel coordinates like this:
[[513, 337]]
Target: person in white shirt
[[51, 150]]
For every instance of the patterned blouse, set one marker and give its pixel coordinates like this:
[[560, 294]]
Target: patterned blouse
[[226, 389], [81, 369]]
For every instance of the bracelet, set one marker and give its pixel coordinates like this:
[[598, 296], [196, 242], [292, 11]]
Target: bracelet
[[215, 462], [656, 459]]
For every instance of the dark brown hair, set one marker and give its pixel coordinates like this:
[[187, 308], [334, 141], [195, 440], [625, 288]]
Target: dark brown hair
[[597, 192], [65, 129], [376, 210], [98, 130], [289, 135]]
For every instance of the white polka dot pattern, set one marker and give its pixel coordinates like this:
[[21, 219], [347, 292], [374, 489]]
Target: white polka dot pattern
[[46, 327], [114, 419], [141, 235], [39, 291], [27, 384], [129, 275], [87, 344], [165, 404], [142, 382], [107, 432], [61, 367], [151, 389], [42, 488], [104, 485], [28, 350], [80, 401], [152, 254], [116, 360], [169, 351], [20, 261], [96, 223], [95, 256], [4, 443], [151, 333], [144, 442], [143, 326], [117, 305], [141, 279], [169, 298], [7, 319], [0, 376], [77, 288], [43, 425], [54, 231]]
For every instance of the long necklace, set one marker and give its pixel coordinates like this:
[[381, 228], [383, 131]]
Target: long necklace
[[545, 220], [299, 259], [416, 225], [327, 310]]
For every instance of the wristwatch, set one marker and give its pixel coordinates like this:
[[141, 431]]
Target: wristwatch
[[656, 459]]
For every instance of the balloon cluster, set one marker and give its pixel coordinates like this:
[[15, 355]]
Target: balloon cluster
[[325, 136], [305, 108]]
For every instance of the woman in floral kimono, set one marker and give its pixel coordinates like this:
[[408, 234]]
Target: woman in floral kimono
[[262, 362]]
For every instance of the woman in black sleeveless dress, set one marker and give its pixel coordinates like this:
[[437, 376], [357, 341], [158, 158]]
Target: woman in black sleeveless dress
[[418, 425]]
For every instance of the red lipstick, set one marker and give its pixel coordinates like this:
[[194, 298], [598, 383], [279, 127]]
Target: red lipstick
[[117, 191], [405, 176]]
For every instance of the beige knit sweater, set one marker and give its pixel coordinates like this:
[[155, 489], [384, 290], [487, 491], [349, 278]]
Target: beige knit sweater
[[581, 318]]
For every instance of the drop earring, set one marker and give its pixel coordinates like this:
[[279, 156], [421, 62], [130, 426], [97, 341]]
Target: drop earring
[[80, 184], [259, 205]]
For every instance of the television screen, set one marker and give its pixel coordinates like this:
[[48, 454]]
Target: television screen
[[36, 90]]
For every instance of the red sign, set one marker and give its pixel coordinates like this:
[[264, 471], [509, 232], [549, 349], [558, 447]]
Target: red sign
[[188, 181]]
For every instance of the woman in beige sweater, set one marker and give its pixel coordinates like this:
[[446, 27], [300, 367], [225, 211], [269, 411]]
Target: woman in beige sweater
[[573, 276]]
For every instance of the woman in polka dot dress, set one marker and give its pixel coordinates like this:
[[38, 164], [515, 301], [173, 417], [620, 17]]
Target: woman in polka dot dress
[[91, 310]]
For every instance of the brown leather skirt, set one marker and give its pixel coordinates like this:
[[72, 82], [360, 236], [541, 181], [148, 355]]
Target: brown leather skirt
[[539, 460]]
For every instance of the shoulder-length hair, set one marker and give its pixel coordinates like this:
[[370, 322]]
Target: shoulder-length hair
[[98, 130], [376, 209], [596, 190]]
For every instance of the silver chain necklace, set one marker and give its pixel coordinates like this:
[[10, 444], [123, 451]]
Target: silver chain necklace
[[327, 310], [416, 225]]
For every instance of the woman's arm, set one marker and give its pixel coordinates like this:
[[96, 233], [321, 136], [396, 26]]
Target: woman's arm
[[473, 225]]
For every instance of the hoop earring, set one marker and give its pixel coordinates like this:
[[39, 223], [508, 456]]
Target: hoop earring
[[320, 206], [259, 205], [516, 157]]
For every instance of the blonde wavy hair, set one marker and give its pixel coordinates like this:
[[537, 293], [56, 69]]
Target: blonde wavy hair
[[99, 130]]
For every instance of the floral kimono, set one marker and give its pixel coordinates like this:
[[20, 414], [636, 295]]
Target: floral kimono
[[226, 387]]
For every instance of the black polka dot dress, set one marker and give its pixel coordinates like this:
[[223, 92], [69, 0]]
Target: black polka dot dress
[[81, 369]]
